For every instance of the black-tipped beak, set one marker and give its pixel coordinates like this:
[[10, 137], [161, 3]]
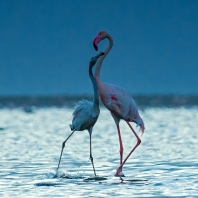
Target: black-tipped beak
[[95, 46], [100, 54], [95, 58], [96, 41]]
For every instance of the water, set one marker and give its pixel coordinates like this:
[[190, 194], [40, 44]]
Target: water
[[164, 165]]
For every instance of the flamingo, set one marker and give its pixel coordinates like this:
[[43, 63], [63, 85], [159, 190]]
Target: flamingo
[[118, 101], [86, 113]]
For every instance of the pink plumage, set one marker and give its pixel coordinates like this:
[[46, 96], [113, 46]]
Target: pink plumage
[[118, 101], [120, 104]]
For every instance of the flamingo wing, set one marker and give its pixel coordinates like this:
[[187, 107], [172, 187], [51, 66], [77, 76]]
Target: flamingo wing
[[84, 116], [119, 102], [82, 106]]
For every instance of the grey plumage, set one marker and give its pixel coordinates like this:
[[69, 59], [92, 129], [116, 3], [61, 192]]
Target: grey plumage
[[85, 112]]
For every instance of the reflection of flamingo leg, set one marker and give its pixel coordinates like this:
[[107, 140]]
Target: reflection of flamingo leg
[[121, 146], [137, 144]]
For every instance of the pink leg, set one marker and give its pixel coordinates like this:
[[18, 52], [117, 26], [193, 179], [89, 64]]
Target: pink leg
[[137, 144], [121, 146]]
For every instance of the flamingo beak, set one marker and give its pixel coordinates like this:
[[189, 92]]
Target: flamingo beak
[[96, 41]]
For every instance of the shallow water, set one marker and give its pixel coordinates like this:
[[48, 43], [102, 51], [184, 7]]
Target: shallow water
[[164, 165]]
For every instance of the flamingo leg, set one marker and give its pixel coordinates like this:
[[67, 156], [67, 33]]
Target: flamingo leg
[[91, 158], [121, 146], [137, 144], [63, 145]]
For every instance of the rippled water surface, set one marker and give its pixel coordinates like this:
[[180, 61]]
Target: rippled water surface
[[164, 165]]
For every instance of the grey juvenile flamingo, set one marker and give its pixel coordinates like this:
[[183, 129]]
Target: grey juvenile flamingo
[[86, 113]]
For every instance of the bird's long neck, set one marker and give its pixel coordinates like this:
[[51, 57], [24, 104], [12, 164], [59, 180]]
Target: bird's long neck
[[100, 60], [96, 96]]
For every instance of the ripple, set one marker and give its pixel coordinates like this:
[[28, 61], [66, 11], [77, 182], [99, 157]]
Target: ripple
[[164, 165]]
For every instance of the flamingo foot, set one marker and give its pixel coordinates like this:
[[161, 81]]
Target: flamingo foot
[[119, 173]]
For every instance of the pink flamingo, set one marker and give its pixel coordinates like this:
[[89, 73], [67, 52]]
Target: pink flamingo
[[120, 104]]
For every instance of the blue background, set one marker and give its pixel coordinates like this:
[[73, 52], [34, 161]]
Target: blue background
[[45, 46]]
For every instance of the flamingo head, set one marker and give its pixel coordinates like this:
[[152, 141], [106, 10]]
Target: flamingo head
[[100, 36], [94, 59]]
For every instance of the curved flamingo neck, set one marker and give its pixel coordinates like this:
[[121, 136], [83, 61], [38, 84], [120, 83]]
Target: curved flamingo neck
[[100, 60], [96, 96]]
